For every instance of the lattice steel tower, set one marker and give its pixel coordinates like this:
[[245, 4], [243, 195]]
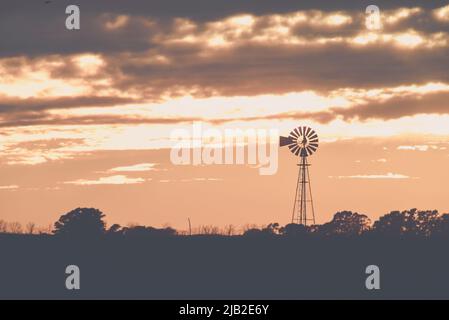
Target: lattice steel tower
[[302, 142]]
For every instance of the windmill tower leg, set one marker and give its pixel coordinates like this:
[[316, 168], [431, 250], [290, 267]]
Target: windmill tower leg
[[297, 202], [310, 193]]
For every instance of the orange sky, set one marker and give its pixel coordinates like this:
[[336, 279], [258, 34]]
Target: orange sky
[[86, 116]]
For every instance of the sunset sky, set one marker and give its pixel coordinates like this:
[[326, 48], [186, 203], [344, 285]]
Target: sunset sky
[[86, 115]]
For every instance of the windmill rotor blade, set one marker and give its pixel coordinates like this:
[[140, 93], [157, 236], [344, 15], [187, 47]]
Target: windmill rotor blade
[[313, 136], [307, 152], [313, 145], [298, 132], [298, 151], [293, 135], [307, 131], [294, 149], [310, 150], [313, 141]]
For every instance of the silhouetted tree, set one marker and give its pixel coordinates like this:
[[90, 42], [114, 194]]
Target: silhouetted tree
[[252, 232], [142, 231], [409, 222], [3, 226], [209, 230], [346, 223], [441, 226], [270, 230], [247, 227], [426, 222], [85, 222], [294, 230], [30, 228], [229, 230], [115, 229], [15, 227]]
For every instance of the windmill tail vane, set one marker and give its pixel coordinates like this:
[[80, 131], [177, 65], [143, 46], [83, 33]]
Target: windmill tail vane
[[302, 142]]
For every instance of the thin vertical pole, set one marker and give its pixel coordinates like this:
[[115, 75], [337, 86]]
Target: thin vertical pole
[[311, 199], [299, 220], [304, 168], [296, 195]]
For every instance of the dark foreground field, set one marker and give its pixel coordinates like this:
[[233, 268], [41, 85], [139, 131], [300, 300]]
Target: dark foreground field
[[213, 267]]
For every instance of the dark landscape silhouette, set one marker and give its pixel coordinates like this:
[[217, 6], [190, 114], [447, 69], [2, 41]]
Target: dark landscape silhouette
[[273, 262]]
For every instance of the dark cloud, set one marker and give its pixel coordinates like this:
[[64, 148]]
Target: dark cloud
[[39, 29], [243, 69], [15, 105], [432, 103], [33, 111], [394, 108], [260, 69], [24, 120], [47, 145], [32, 32], [320, 117]]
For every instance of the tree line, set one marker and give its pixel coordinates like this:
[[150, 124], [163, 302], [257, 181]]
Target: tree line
[[89, 222]]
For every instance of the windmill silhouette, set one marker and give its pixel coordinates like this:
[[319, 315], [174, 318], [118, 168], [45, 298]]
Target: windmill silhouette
[[302, 142]]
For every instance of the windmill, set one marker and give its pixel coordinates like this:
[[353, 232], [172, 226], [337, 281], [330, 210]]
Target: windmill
[[302, 142]]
